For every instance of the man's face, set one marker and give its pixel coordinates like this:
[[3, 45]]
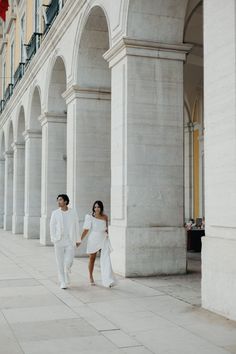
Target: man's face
[[61, 203]]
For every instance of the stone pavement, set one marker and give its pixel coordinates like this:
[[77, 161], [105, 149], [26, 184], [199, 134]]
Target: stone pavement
[[139, 316]]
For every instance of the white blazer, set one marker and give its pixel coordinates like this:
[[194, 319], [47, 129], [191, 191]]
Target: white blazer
[[57, 229]]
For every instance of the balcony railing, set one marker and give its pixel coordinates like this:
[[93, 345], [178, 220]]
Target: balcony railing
[[2, 105], [19, 73], [31, 48], [8, 92], [33, 45], [51, 13]]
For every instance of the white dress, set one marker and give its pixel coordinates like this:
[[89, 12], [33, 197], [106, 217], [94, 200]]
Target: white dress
[[99, 240]]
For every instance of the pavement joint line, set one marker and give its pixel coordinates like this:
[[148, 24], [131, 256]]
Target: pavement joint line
[[13, 333], [109, 330], [122, 347], [132, 346]]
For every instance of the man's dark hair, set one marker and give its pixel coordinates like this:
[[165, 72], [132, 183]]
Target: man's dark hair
[[64, 197]]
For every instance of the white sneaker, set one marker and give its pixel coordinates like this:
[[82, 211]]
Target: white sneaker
[[63, 286]]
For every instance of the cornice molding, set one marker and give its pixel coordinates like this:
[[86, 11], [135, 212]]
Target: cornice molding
[[142, 48]]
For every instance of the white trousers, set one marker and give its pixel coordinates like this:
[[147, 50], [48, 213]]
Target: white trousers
[[64, 252]]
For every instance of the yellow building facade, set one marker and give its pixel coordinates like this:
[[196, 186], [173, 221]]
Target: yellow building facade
[[24, 19]]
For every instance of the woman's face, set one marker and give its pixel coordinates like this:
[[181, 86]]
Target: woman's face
[[97, 209]]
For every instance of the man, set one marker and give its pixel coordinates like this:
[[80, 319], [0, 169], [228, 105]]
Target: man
[[64, 231]]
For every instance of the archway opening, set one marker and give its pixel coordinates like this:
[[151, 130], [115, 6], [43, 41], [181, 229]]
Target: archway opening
[[2, 177], [19, 176], [54, 147], [194, 129], [8, 192], [93, 177], [33, 152]]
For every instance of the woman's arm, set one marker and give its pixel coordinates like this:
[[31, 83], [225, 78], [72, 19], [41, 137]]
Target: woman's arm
[[106, 218], [84, 233]]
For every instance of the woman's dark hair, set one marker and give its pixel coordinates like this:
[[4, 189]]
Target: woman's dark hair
[[100, 204], [64, 197]]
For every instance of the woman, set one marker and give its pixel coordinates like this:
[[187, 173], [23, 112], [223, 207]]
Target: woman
[[96, 227]]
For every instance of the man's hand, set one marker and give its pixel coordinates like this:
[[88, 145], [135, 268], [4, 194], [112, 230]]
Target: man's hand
[[78, 244]]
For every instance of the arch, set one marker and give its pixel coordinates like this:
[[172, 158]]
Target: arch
[[160, 21], [94, 19], [54, 143], [20, 125], [57, 85], [193, 82], [35, 108], [189, 16], [9, 136], [2, 144], [92, 129], [2, 177], [193, 34], [33, 161], [8, 180], [187, 116]]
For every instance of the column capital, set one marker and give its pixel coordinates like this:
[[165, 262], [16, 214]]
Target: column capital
[[32, 134], [75, 91], [142, 48], [17, 146], [52, 117], [8, 154]]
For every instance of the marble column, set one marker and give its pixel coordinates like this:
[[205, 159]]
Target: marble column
[[53, 168], [219, 245], [188, 170], [8, 191], [2, 177], [88, 146], [88, 149], [147, 183], [18, 188], [33, 158]]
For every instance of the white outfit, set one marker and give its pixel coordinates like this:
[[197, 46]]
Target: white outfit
[[98, 240], [64, 231]]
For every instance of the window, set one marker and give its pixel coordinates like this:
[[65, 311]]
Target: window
[[12, 63], [22, 38], [37, 15], [3, 78]]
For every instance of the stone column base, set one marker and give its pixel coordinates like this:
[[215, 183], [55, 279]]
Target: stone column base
[[218, 276], [1, 221], [7, 224], [148, 251], [44, 231], [17, 224], [31, 227]]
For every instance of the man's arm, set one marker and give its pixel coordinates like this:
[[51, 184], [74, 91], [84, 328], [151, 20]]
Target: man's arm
[[77, 233], [84, 233], [53, 226]]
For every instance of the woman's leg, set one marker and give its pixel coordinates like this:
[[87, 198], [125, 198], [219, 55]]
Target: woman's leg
[[92, 258]]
